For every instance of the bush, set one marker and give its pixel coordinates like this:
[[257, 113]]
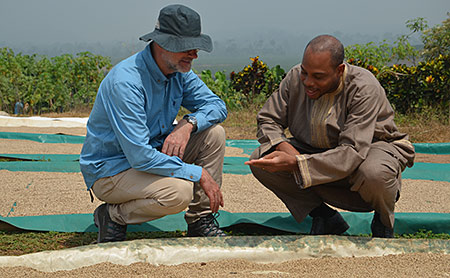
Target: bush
[[49, 85], [222, 88], [426, 85], [256, 82]]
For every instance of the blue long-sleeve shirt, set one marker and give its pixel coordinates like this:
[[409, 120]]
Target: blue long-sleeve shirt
[[133, 113]]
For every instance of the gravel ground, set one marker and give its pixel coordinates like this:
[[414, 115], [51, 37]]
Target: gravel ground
[[42, 193], [407, 266]]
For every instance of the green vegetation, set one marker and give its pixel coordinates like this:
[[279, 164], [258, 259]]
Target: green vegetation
[[43, 85], [65, 82], [415, 80], [424, 85]]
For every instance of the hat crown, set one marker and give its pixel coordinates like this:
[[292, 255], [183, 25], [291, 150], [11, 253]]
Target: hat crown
[[179, 20]]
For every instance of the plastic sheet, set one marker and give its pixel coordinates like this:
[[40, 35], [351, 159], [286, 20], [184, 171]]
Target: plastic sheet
[[261, 249]]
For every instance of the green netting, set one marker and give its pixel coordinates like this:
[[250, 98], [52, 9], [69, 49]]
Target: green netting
[[42, 157], [432, 148], [428, 171], [43, 138], [359, 222], [236, 166], [68, 163], [41, 166], [247, 145]]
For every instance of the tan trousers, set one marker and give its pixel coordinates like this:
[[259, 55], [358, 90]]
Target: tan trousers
[[137, 197], [375, 185]]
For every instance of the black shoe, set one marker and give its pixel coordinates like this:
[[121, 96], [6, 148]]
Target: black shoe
[[334, 225], [378, 229], [108, 230], [206, 226]]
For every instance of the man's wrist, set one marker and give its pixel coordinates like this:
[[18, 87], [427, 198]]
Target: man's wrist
[[192, 120]]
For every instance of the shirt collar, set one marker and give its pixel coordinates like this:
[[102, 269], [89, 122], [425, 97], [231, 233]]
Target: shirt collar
[[341, 82], [153, 68]]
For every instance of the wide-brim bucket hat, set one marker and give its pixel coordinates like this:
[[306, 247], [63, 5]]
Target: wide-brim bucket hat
[[178, 29]]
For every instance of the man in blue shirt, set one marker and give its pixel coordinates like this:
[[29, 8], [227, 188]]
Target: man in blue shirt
[[134, 158]]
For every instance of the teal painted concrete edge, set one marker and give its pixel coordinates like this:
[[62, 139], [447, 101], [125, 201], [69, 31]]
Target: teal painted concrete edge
[[359, 222]]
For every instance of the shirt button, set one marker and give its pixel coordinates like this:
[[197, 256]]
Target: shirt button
[[191, 176], [162, 126], [171, 174]]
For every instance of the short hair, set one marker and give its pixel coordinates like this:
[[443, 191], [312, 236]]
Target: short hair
[[328, 43]]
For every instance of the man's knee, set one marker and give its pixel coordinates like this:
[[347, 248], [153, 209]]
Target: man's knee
[[379, 179], [179, 197], [216, 133]]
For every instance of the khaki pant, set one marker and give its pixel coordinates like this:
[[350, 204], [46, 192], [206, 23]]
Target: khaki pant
[[375, 185], [137, 197]]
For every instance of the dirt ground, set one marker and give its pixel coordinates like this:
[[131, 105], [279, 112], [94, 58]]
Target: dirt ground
[[401, 266], [42, 193]]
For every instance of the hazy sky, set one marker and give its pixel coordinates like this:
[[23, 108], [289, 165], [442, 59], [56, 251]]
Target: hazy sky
[[48, 21]]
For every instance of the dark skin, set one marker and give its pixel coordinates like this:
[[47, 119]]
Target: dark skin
[[319, 77], [176, 142]]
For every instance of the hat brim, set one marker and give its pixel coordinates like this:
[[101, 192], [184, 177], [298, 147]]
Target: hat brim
[[174, 43]]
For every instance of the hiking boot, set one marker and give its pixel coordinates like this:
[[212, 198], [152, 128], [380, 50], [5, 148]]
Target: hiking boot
[[108, 230], [378, 229], [334, 225], [206, 226]]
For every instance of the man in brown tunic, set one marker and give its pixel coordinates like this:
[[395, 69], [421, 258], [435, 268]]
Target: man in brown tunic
[[345, 151]]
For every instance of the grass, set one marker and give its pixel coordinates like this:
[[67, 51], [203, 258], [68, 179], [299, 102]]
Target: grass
[[427, 126], [424, 127]]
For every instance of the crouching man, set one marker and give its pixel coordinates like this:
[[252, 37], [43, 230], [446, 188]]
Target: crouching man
[[345, 151], [134, 158]]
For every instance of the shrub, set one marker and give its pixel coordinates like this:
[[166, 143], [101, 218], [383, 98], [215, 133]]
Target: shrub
[[256, 81], [50, 85]]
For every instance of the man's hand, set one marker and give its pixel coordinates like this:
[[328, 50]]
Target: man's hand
[[287, 148], [282, 159], [212, 190], [176, 142], [276, 161]]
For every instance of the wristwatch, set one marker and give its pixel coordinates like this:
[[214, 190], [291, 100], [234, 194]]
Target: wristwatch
[[192, 120]]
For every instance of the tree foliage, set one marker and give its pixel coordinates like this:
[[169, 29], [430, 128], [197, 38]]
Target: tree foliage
[[45, 84], [436, 40]]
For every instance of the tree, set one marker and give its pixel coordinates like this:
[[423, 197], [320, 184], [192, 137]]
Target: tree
[[436, 40]]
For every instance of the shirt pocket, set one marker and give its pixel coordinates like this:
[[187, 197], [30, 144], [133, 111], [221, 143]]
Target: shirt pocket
[[174, 106]]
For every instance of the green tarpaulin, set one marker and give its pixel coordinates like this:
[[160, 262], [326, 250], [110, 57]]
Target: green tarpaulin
[[232, 165], [247, 145], [359, 222]]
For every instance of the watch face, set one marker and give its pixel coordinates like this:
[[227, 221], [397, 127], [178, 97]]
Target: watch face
[[192, 120]]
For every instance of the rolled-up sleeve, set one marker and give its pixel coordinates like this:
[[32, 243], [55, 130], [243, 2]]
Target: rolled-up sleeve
[[206, 106]]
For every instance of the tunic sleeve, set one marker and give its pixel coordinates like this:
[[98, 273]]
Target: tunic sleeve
[[273, 117]]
